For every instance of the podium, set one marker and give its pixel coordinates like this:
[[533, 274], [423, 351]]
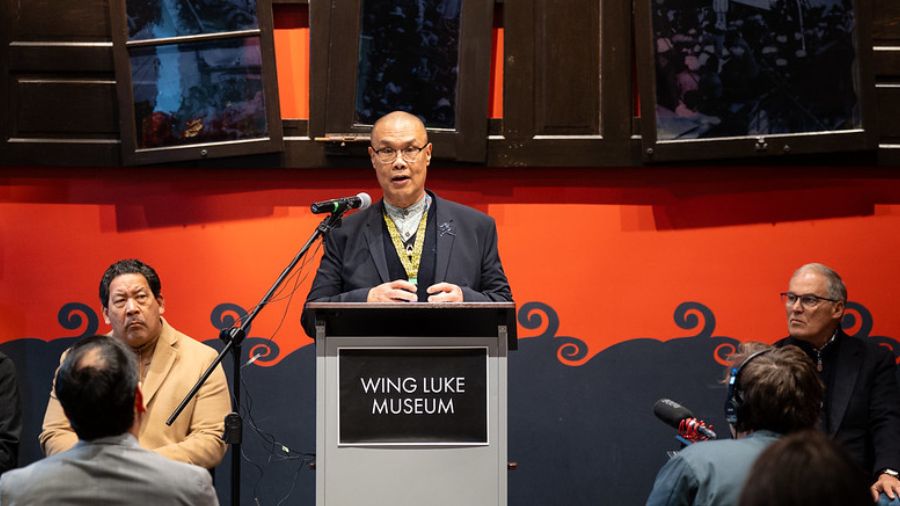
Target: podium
[[411, 403]]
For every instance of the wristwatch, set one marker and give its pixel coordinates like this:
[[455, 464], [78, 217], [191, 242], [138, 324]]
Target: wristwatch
[[890, 472]]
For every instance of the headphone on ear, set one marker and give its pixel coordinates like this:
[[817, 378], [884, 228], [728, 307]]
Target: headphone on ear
[[734, 402]]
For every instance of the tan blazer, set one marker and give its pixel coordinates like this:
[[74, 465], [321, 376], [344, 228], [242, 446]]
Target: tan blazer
[[195, 437]]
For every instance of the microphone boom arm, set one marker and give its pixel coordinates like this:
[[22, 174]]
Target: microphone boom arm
[[233, 338]]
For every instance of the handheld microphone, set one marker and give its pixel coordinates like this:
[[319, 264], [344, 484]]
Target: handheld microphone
[[683, 419], [361, 200]]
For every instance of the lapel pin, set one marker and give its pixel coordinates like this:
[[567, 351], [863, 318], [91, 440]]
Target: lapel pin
[[446, 228]]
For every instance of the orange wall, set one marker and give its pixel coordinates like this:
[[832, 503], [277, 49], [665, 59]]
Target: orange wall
[[292, 59], [612, 251]]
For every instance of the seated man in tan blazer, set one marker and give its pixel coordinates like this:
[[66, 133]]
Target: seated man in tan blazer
[[169, 364]]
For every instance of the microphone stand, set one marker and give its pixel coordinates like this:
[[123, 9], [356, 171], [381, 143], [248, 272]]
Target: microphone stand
[[233, 338]]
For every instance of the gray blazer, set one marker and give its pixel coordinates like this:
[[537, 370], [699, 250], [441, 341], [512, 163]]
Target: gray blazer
[[108, 471]]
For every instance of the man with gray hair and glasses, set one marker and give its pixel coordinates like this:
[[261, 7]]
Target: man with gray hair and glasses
[[862, 400]]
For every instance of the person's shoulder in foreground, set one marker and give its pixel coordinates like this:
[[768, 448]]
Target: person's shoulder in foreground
[[111, 470], [97, 386], [10, 415], [708, 472]]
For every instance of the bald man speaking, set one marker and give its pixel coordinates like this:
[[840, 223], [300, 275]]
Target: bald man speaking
[[412, 245]]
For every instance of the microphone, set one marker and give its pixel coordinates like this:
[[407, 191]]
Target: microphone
[[683, 419], [361, 200]]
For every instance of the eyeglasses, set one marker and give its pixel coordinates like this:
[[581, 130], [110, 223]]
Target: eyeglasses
[[388, 155], [808, 301]]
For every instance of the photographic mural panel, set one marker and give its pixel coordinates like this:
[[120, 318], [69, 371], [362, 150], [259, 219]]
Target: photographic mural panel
[[195, 79], [749, 67], [409, 60], [198, 92], [738, 69], [153, 19]]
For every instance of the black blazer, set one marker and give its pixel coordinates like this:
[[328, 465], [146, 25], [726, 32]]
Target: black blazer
[[864, 407], [354, 260]]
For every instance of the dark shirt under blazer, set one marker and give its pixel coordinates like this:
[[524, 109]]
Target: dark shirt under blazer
[[355, 259], [862, 405]]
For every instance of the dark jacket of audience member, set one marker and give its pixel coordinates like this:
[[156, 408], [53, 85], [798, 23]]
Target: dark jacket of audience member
[[10, 415], [806, 469]]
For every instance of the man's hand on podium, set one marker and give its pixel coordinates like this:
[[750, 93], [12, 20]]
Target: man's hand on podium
[[445, 292], [398, 290], [401, 290]]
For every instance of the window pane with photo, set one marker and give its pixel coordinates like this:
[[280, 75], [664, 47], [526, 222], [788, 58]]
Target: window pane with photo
[[198, 92], [155, 19], [409, 60], [731, 68]]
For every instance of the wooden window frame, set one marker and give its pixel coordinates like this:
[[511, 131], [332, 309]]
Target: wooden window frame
[[754, 146], [335, 29], [525, 138], [132, 155]]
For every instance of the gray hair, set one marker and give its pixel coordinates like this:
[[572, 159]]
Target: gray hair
[[836, 288]]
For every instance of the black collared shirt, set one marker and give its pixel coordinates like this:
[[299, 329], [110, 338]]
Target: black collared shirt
[[827, 358]]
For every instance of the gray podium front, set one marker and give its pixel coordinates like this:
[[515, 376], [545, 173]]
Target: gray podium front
[[411, 403]]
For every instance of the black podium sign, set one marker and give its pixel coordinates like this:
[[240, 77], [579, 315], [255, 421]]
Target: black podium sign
[[426, 396]]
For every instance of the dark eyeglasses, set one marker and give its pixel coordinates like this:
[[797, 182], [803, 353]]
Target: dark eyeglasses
[[809, 301], [388, 155]]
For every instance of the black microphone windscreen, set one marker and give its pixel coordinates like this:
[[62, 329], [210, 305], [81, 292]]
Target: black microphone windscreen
[[671, 412]]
